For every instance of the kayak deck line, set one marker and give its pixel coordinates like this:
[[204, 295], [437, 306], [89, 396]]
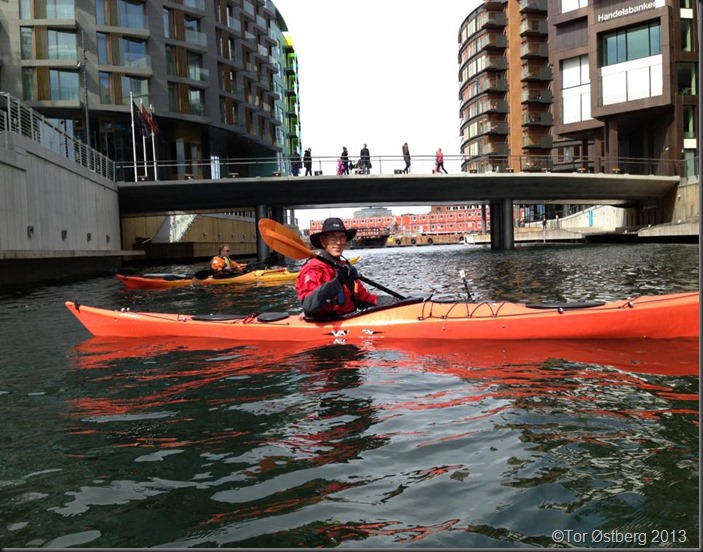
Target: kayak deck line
[[667, 316]]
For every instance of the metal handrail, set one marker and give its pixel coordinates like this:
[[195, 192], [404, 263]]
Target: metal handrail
[[17, 118], [218, 168]]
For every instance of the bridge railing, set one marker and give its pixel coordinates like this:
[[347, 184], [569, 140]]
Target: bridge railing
[[17, 118], [218, 168]]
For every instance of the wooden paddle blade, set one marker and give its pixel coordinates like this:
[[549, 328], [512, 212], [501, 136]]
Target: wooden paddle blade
[[284, 240]]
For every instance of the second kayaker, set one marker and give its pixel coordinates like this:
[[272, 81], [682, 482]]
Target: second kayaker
[[325, 290], [222, 264]]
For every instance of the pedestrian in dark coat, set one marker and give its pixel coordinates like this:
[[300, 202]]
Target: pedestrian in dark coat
[[307, 162]]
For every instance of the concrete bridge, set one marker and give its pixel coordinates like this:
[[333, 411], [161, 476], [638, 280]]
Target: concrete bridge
[[270, 196]]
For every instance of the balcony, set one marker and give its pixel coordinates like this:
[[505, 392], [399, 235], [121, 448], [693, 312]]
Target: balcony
[[135, 60], [491, 19], [537, 73], [543, 141], [537, 118], [533, 6], [195, 4], [534, 50], [537, 96], [198, 74], [496, 63], [495, 4], [496, 42], [133, 21], [497, 106], [196, 38], [534, 27]]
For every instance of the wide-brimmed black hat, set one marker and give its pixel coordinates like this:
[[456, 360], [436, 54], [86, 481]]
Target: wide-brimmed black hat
[[331, 225]]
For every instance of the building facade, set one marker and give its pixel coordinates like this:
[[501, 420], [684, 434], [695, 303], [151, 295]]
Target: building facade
[[505, 94], [209, 72], [626, 84]]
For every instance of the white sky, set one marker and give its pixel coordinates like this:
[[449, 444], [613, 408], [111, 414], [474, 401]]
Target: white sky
[[380, 72]]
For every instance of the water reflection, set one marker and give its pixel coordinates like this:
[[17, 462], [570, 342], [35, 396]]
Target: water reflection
[[293, 446]]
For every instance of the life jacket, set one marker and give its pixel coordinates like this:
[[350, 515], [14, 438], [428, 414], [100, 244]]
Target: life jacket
[[220, 263]]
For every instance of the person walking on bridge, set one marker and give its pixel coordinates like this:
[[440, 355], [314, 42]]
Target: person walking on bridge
[[439, 162], [365, 160], [307, 161], [345, 161], [406, 158]]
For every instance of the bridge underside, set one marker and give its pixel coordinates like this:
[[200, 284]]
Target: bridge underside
[[500, 191]]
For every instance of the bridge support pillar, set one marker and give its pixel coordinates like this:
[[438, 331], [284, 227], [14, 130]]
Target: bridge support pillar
[[262, 250], [277, 214], [502, 236]]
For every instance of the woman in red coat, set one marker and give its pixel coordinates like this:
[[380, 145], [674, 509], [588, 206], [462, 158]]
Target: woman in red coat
[[325, 290]]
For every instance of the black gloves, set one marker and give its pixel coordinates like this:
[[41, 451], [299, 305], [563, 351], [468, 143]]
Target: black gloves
[[346, 274]]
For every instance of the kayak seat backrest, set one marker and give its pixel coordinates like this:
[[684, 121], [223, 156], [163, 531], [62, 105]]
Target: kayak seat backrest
[[218, 317], [272, 316], [583, 305]]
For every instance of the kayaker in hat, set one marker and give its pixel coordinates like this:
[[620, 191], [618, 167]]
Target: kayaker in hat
[[222, 264], [325, 290]]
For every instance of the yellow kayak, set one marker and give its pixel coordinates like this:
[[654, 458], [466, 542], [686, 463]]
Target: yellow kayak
[[274, 276]]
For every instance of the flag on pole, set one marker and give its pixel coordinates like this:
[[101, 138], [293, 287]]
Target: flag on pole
[[148, 115], [141, 122]]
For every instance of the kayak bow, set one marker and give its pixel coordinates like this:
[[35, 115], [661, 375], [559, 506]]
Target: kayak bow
[[662, 316]]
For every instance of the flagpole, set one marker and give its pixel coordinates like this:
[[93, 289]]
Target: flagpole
[[134, 140], [146, 170], [153, 143]]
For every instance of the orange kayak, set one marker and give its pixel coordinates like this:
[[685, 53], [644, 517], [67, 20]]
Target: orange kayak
[[659, 316], [274, 275]]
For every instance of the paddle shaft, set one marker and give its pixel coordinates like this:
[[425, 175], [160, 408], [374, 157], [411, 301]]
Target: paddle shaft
[[363, 279]]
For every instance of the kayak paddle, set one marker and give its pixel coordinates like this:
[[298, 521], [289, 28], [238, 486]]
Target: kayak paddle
[[287, 242]]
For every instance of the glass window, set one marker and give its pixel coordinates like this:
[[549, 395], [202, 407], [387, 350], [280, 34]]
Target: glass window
[[655, 43], [170, 61], [689, 121], [629, 44], [60, 9], [167, 23], [25, 9], [62, 44], [26, 34], [138, 87], [687, 78], [100, 12], [637, 43], [131, 14], [103, 55], [133, 52], [687, 35], [105, 92], [28, 88], [173, 97], [63, 85]]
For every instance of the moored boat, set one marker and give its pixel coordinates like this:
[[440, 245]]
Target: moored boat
[[661, 316]]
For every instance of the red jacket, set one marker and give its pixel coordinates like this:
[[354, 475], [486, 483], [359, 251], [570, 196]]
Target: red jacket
[[330, 299]]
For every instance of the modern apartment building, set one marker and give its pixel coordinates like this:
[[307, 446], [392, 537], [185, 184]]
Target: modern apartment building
[[213, 73], [505, 93], [626, 84]]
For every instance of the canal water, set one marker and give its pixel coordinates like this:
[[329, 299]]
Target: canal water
[[206, 443]]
